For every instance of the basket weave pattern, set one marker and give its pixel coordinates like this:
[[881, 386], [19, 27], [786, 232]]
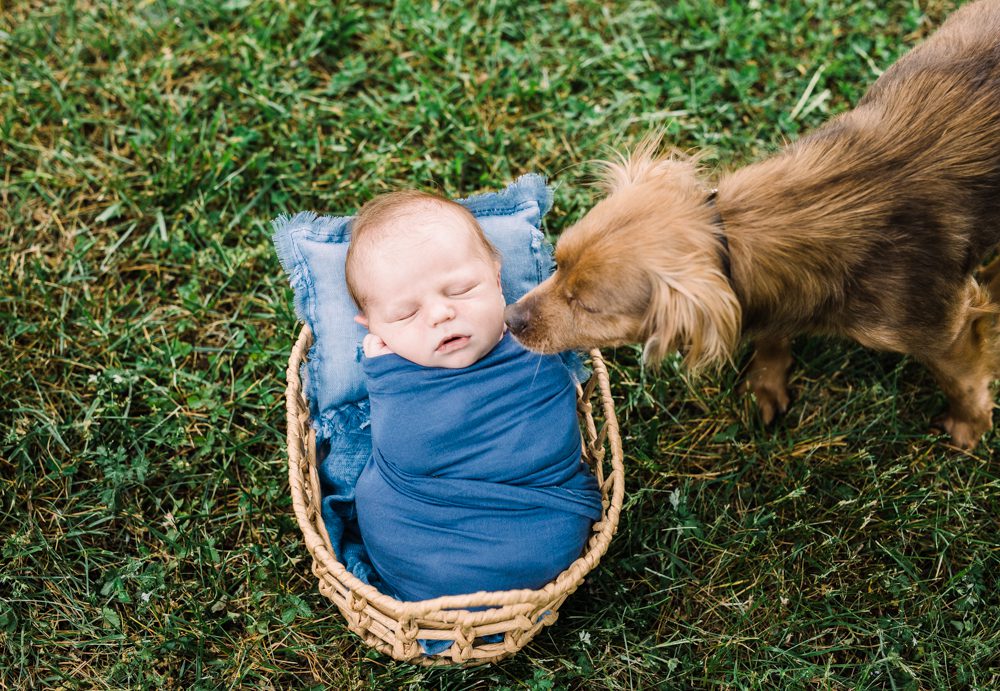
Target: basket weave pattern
[[394, 627]]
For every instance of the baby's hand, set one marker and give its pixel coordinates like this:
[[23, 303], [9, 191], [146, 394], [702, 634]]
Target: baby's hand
[[374, 346]]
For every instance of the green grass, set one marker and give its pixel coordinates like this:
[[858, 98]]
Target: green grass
[[146, 532]]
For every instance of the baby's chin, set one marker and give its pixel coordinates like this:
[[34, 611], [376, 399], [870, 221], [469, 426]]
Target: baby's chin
[[457, 360]]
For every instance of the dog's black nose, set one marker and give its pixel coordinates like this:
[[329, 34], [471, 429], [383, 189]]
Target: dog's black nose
[[517, 317]]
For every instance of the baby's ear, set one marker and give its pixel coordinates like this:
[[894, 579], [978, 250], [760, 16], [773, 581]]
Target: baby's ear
[[361, 319]]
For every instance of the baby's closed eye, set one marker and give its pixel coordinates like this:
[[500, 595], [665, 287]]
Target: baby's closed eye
[[462, 289], [402, 315]]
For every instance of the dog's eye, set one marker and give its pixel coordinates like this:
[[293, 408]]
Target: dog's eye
[[575, 302]]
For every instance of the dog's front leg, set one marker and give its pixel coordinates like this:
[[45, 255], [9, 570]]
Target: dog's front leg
[[767, 377], [965, 368]]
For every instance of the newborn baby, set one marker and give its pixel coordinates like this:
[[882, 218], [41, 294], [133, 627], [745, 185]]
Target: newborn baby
[[475, 480]]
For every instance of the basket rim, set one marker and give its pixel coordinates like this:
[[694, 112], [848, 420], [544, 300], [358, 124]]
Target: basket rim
[[453, 609]]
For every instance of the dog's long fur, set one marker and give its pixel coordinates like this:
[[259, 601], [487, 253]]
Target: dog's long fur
[[871, 228]]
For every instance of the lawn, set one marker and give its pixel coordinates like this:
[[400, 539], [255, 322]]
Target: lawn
[[146, 528]]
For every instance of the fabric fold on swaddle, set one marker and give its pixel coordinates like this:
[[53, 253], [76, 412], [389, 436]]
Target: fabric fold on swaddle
[[475, 480]]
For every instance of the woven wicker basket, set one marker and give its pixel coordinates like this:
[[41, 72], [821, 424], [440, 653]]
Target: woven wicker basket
[[393, 627]]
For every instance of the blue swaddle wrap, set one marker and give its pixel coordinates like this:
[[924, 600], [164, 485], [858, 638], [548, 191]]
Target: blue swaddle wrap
[[475, 480]]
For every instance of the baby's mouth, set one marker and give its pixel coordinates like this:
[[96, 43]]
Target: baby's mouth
[[452, 343]]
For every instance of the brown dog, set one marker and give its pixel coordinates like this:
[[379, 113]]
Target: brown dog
[[871, 228]]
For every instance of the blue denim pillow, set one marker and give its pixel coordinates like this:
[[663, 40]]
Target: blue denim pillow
[[312, 250]]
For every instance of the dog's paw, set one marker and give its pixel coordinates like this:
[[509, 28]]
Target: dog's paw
[[772, 404], [772, 401], [965, 434], [767, 377]]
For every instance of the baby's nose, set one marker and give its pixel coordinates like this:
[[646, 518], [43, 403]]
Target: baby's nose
[[442, 312]]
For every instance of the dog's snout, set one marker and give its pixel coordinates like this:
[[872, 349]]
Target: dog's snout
[[517, 317]]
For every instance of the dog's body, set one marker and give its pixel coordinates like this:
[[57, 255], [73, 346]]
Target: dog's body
[[870, 228]]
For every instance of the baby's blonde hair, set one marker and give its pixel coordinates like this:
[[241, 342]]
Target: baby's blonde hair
[[380, 214]]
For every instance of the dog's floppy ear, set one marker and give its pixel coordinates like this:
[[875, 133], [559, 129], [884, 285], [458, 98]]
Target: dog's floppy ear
[[697, 313]]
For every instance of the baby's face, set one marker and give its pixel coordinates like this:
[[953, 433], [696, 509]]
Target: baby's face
[[434, 295]]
